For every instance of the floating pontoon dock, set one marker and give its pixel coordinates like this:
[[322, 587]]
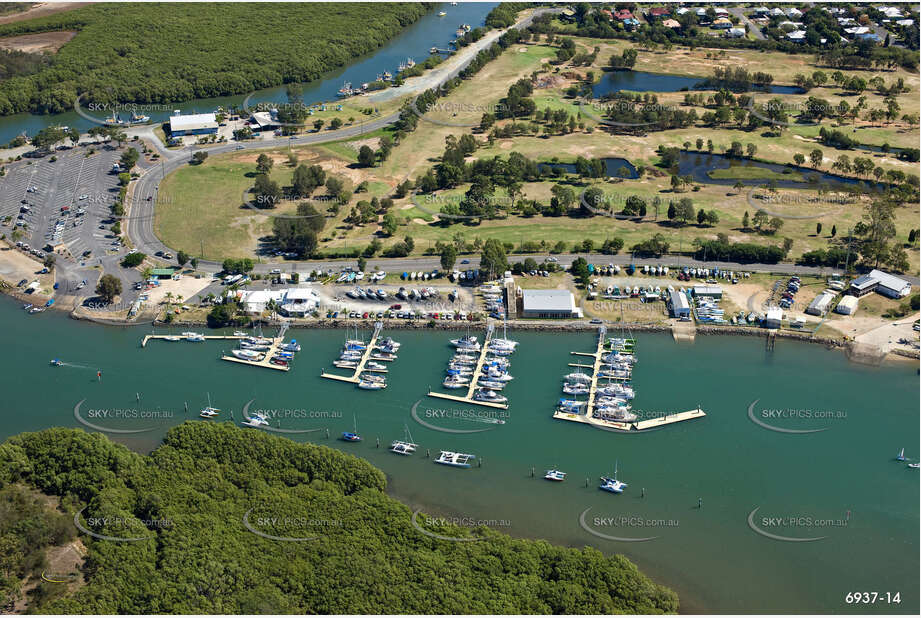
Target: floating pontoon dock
[[269, 354], [474, 378], [588, 415], [367, 356]]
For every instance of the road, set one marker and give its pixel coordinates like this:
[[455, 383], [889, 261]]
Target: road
[[138, 225], [754, 28]]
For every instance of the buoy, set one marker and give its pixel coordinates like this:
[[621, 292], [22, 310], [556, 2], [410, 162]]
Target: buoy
[[644, 492], [700, 503], [327, 432], [532, 471]]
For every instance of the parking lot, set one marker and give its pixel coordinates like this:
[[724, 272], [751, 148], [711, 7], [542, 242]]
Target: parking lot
[[65, 205]]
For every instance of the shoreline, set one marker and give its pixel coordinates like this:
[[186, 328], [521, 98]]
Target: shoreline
[[897, 356]]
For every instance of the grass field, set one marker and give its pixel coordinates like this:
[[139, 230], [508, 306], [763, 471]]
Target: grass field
[[218, 195]]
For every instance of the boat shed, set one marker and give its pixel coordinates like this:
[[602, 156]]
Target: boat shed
[[708, 291], [847, 305], [819, 304], [774, 317], [193, 124], [164, 273], [678, 303], [548, 304], [882, 282]]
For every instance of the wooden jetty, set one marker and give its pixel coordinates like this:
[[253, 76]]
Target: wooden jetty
[[474, 378]]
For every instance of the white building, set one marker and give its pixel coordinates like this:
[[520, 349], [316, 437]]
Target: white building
[[847, 305], [735, 33], [820, 304], [882, 282], [774, 317], [193, 124], [549, 304], [294, 302]]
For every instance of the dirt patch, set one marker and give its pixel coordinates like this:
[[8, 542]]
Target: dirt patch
[[42, 9], [49, 42], [506, 144], [372, 142]]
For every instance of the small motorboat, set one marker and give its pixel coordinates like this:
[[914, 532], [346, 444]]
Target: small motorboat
[[56, 362]]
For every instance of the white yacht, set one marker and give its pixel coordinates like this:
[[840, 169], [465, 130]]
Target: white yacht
[[249, 355], [578, 377], [371, 386], [487, 395]]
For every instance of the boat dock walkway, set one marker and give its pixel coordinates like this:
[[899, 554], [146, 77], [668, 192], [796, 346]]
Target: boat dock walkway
[[474, 378], [207, 337], [596, 368], [266, 361], [632, 426], [367, 356]]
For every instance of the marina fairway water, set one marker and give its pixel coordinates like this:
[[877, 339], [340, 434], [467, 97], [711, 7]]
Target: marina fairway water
[[710, 556]]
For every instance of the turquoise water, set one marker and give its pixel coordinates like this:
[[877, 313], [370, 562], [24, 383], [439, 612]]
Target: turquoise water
[[709, 555]]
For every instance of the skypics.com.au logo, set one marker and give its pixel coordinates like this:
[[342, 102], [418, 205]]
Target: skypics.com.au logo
[[112, 112], [438, 418], [95, 417]]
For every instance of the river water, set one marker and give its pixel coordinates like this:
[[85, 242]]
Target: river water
[[413, 42], [840, 483]]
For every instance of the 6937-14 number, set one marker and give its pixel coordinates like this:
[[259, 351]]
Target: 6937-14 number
[[869, 598]]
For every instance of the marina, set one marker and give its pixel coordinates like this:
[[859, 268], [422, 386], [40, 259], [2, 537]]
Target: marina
[[476, 394], [608, 406], [668, 374], [365, 361]]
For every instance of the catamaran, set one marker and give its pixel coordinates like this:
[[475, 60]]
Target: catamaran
[[555, 475], [209, 411], [405, 446], [611, 484], [457, 460]]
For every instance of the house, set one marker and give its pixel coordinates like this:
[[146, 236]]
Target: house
[[718, 10], [721, 23], [671, 23], [761, 11], [607, 14], [678, 304], [777, 12], [773, 318], [658, 12], [193, 124], [905, 22], [735, 33], [793, 13], [797, 36], [881, 282], [891, 12], [623, 15], [549, 304], [857, 30]]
